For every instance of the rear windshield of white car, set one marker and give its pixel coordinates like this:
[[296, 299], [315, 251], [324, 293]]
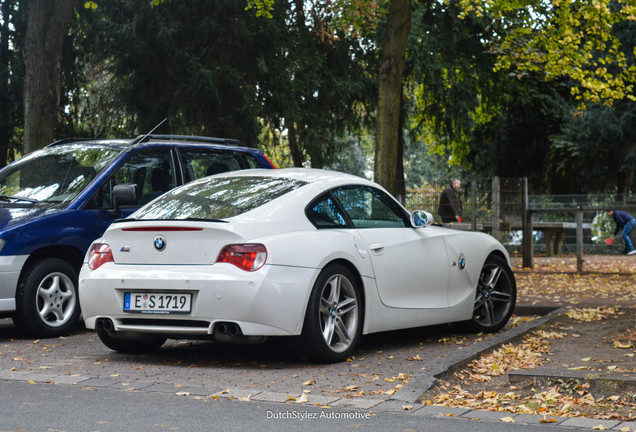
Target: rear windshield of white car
[[217, 198]]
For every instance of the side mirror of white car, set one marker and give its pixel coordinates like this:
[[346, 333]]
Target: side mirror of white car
[[421, 219]]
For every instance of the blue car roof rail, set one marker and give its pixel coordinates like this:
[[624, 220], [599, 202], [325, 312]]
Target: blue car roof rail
[[194, 139], [145, 138], [71, 140]]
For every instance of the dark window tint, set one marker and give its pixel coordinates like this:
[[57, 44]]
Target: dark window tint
[[218, 198], [251, 160], [152, 170], [325, 214], [370, 208], [202, 162]]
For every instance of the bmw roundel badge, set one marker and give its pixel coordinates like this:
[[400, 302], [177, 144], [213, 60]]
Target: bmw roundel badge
[[462, 262], [160, 243]]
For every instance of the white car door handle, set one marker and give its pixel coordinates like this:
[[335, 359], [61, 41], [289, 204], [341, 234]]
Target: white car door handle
[[376, 247]]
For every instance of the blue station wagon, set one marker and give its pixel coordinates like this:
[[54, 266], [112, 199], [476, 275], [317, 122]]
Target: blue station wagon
[[54, 202]]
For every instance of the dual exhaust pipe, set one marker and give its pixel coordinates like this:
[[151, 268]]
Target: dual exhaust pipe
[[226, 329], [229, 332], [104, 324]]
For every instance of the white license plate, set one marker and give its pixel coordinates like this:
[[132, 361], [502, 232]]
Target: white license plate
[[160, 303]]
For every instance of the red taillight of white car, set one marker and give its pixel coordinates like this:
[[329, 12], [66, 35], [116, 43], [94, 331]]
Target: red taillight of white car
[[98, 255], [248, 257]]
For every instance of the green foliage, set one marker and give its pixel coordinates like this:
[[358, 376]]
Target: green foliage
[[188, 61], [263, 8], [520, 118], [454, 88], [357, 17], [314, 84], [214, 69], [564, 39], [492, 87], [352, 155], [351, 17], [598, 142], [602, 227]]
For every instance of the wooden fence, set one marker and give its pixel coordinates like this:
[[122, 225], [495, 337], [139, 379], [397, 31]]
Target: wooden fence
[[501, 206]]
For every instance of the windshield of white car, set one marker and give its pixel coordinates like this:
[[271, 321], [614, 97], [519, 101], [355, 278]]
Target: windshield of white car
[[217, 198], [56, 174]]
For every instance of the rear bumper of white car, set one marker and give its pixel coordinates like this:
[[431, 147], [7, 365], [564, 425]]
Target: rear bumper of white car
[[268, 302]]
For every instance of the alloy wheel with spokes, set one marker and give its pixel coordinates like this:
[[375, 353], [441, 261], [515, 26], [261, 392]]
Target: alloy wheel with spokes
[[55, 299], [495, 296], [333, 321], [338, 313], [47, 303]]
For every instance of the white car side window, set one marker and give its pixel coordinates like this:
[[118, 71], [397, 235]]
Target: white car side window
[[369, 208]]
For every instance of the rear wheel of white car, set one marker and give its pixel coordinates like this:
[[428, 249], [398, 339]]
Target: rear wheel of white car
[[495, 297], [46, 300], [129, 344], [333, 322]]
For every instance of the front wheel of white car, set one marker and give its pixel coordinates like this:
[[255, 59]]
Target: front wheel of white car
[[128, 344], [495, 296], [333, 322]]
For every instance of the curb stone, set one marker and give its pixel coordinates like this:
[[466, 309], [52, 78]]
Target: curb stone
[[590, 423], [441, 411], [488, 415], [549, 373], [396, 406], [536, 419], [423, 381], [360, 404]]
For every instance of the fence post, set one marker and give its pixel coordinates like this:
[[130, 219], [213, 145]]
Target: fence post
[[473, 205], [526, 224], [579, 240], [496, 206]]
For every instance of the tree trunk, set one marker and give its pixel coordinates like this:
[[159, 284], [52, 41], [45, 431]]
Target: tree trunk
[[388, 161], [6, 119], [47, 26], [294, 150]]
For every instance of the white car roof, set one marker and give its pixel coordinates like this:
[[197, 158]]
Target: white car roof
[[324, 179]]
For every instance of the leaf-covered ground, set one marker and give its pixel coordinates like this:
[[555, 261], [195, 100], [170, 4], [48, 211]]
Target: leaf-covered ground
[[607, 280], [595, 339]]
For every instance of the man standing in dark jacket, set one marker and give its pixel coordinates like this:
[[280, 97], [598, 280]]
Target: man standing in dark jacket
[[450, 203], [626, 222]]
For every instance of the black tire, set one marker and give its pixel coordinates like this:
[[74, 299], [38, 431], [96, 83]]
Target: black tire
[[333, 322], [495, 296], [47, 302], [130, 345]]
